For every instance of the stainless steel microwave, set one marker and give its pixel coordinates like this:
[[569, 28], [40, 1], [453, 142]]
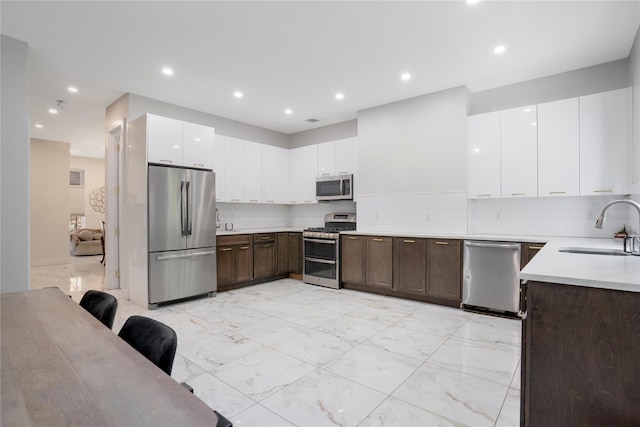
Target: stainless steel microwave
[[338, 187]]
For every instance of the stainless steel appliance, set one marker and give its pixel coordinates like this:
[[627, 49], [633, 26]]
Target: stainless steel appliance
[[321, 249], [182, 233], [491, 276], [338, 187]]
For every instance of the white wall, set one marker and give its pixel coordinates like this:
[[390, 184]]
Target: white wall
[[93, 179], [634, 67], [49, 201], [14, 170], [414, 146]]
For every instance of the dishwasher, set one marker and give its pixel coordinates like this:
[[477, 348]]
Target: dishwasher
[[491, 275]]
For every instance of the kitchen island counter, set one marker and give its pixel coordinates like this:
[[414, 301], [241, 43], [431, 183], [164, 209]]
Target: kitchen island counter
[[590, 270]]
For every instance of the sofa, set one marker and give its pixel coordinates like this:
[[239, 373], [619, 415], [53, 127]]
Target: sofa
[[86, 241]]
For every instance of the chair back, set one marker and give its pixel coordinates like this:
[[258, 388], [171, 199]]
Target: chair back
[[101, 305], [154, 340]]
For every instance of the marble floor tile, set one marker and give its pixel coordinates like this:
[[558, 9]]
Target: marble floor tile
[[510, 412], [395, 412], [314, 347], [414, 344], [271, 331], [483, 360], [219, 396], [310, 316], [499, 331], [374, 367], [184, 369], [259, 416], [467, 399], [378, 314], [324, 399], [434, 321], [262, 373], [233, 316], [352, 328], [218, 349]]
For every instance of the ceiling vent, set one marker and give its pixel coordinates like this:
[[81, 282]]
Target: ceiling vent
[[312, 119]]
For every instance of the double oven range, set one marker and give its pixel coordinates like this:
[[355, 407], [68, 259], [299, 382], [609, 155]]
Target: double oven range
[[321, 249]]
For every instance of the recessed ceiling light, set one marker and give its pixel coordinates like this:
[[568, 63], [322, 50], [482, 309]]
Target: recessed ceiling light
[[167, 71], [39, 126], [533, 123], [238, 94], [197, 139], [499, 49], [288, 111], [405, 76], [339, 95], [53, 111], [527, 110], [72, 89]]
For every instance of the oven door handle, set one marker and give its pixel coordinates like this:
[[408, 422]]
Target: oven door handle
[[322, 261], [327, 242]]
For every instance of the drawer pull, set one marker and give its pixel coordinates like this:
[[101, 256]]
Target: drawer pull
[[535, 247], [603, 191], [267, 246], [378, 240], [484, 195], [518, 194], [244, 248], [558, 192], [292, 234], [352, 238], [226, 249], [442, 243], [409, 241], [266, 238]]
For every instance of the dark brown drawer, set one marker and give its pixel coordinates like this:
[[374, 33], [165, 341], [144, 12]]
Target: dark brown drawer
[[235, 239], [264, 238]]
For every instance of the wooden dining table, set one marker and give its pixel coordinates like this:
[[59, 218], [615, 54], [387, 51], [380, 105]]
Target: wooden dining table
[[62, 367]]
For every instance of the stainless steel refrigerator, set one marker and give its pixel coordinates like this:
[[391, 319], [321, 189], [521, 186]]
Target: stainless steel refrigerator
[[182, 233]]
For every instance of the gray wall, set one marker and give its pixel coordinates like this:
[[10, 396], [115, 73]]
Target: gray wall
[[585, 81], [634, 67], [333, 132], [418, 145], [14, 160]]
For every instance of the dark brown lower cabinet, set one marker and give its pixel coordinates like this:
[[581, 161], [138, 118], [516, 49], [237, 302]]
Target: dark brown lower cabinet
[[352, 260], [264, 259], [234, 258], [444, 269], [295, 253], [410, 265], [529, 250], [580, 356], [378, 262]]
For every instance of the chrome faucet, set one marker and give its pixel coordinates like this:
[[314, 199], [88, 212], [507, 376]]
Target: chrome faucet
[[631, 243]]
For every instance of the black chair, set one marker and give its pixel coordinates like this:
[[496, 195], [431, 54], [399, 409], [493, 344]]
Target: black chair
[[154, 340], [101, 305]]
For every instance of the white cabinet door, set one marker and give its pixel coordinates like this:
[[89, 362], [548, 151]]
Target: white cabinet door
[[275, 176], [519, 152], [253, 172], [559, 148], [164, 140], [234, 170], [198, 146], [302, 174], [326, 158], [294, 175], [218, 167], [484, 155], [345, 156], [604, 142]]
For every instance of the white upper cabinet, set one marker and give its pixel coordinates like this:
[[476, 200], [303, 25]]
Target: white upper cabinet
[[234, 179], [253, 172], [484, 155], [275, 174], [345, 156], [559, 148], [604, 142], [164, 140], [326, 159], [519, 152], [303, 163], [219, 161], [198, 146]]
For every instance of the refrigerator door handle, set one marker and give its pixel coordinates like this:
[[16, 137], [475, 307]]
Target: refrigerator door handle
[[195, 254], [188, 227], [182, 206]]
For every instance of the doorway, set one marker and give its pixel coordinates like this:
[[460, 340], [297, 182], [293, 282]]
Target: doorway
[[114, 161]]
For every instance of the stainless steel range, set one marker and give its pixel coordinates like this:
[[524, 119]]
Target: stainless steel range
[[321, 249]]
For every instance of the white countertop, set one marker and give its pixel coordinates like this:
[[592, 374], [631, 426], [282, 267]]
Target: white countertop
[[595, 271], [418, 235], [223, 232]]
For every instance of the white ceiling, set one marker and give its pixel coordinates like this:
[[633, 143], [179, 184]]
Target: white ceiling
[[294, 54]]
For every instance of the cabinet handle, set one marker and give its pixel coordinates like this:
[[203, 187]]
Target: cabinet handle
[[343, 173], [253, 201], [293, 202], [442, 243], [603, 191], [325, 174], [409, 241], [266, 237], [267, 246], [270, 201], [352, 238], [199, 164], [484, 195], [535, 247], [307, 201], [242, 248], [292, 234], [166, 161], [518, 194], [378, 240], [235, 200], [557, 192], [226, 249]]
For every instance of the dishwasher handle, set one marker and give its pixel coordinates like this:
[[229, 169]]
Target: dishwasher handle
[[497, 245]]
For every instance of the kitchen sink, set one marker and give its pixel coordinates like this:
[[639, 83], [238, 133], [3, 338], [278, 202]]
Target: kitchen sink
[[594, 251]]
